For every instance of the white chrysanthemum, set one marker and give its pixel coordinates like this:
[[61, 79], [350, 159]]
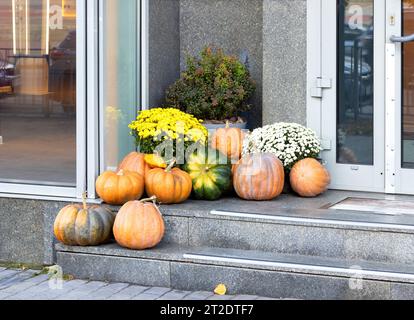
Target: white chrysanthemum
[[290, 142]]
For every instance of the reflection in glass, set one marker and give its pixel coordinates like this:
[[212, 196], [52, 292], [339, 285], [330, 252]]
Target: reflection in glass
[[408, 88], [120, 77], [37, 93], [355, 125]]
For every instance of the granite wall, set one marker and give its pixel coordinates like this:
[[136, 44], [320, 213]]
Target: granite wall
[[284, 61], [272, 31], [234, 25], [26, 230]]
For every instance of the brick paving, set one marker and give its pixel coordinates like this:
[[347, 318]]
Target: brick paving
[[30, 285]]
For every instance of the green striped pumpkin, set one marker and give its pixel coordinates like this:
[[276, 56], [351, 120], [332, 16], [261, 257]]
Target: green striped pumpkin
[[210, 172]]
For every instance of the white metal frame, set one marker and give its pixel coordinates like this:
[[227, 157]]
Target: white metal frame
[[323, 120], [399, 180], [81, 119], [89, 117]]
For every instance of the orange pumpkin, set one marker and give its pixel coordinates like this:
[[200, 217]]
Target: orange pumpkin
[[119, 188], [170, 186], [134, 162], [309, 178], [259, 176], [139, 225], [229, 141]]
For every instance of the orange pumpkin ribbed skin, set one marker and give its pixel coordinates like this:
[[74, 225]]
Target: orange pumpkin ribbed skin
[[134, 162], [139, 226], [309, 178], [229, 141], [169, 186], [259, 177], [119, 188]]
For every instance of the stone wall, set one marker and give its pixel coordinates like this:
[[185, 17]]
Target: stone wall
[[234, 25], [272, 31], [284, 61], [26, 230]]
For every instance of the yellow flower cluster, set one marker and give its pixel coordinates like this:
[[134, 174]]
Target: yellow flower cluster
[[169, 123]]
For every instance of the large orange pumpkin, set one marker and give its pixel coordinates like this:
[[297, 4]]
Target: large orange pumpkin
[[81, 225], [139, 225], [229, 141], [119, 188], [134, 162], [170, 186], [309, 178], [259, 176]]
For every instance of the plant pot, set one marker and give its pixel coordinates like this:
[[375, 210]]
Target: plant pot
[[215, 126]]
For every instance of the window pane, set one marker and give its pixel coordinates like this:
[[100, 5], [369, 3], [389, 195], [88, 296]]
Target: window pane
[[408, 88], [120, 83], [37, 92], [355, 125]]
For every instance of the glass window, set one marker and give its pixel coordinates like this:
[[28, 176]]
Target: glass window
[[120, 77], [37, 92], [355, 113]]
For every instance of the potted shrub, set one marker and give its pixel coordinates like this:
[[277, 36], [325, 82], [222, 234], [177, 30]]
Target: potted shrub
[[214, 87]]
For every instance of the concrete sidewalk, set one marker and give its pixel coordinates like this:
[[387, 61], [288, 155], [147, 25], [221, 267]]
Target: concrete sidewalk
[[30, 285]]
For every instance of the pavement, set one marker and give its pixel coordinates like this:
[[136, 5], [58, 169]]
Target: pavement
[[16, 284]]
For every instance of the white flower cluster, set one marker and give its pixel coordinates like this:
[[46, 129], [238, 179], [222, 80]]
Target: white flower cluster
[[290, 142]]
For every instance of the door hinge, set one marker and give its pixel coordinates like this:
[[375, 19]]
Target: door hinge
[[320, 84], [326, 144]]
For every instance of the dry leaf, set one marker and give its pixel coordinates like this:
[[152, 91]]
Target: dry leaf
[[220, 290]]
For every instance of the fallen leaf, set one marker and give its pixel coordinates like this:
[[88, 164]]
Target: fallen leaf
[[220, 290]]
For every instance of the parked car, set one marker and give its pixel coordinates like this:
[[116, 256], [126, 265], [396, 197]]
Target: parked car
[[7, 72]]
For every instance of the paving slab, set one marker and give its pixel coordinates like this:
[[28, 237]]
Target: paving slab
[[8, 273], [128, 293], [107, 291], [17, 278], [83, 291], [175, 295], [66, 288], [145, 296], [22, 286], [217, 297], [158, 291], [245, 297], [199, 295]]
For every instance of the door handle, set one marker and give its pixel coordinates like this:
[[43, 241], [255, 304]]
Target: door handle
[[402, 39]]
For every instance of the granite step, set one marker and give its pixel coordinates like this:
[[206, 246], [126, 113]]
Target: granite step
[[350, 235], [245, 272]]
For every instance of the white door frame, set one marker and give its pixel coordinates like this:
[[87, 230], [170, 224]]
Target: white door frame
[[322, 111], [399, 180]]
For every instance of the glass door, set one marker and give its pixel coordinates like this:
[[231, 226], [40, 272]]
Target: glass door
[[400, 96], [41, 47], [352, 117]]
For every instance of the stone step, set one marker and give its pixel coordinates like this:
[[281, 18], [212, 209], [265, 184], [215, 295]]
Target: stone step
[[350, 235], [244, 272]]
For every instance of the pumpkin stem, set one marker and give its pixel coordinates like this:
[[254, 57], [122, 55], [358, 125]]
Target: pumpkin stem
[[152, 199], [84, 195], [171, 165], [120, 172], [227, 124]]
